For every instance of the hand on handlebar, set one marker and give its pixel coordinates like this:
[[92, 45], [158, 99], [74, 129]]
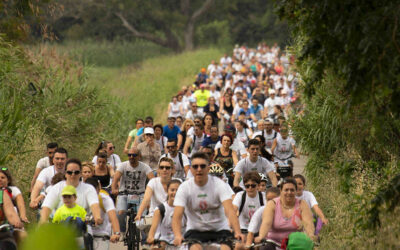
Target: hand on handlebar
[[150, 240], [240, 236], [178, 240], [257, 239], [114, 238], [114, 191], [98, 221]]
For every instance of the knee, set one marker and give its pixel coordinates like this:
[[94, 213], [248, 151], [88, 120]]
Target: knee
[[196, 247]]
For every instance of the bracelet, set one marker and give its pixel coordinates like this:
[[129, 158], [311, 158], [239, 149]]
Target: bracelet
[[117, 233]]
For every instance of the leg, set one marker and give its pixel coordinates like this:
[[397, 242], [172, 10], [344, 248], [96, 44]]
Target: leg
[[121, 207], [225, 247], [196, 246]]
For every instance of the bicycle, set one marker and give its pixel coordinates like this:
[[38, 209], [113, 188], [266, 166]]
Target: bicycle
[[132, 238], [7, 240], [265, 243]]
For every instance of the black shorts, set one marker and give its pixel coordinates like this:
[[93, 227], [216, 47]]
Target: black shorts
[[222, 237]]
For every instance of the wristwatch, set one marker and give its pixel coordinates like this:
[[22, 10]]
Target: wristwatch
[[117, 233]]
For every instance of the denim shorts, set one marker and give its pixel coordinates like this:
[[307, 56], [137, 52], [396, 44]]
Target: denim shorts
[[122, 202]]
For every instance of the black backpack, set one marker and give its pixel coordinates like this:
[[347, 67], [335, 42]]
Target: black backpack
[[244, 201]]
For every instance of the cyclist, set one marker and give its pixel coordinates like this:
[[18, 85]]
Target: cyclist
[[87, 170], [103, 171], [270, 134], [285, 214], [45, 176], [132, 176], [44, 162], [156, 190], [226, 157], [256, 219], [101, 234], [69, 207], [161, 227], [237, 145], [195, 141], [150, 151], [206, 201], [132, 135], [112, 159], [86, 194], [262, 187], [181, 161], [254, 163]]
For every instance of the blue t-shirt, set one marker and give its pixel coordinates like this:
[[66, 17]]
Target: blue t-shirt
[[140, 131], [209, 142], [246, 113], [256, 111], [171, 133]]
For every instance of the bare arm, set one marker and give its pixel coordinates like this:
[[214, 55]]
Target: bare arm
[[320, 214], [112, 216], [233, 219], [187, 145], [21, 207], [272, 177], [177, 225], [267, 218], [35, 193], [169, 109], [186, 169], [95, 208], [307, 219], [234, 158], [111, 170], [145, 202], [10, 212], [154, 226], [150, 175], [236, 180], [35, 175], [114, 185], [44, 215], [180, 139], [296, 153], [249, 239], [273, 146], [128, 141]]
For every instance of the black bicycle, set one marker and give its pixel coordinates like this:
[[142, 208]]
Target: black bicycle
[[132, 238]]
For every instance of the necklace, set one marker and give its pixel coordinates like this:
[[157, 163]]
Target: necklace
[[286, 207]]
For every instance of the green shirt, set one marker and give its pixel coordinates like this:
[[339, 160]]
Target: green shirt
[[64, 212], [202, 97]]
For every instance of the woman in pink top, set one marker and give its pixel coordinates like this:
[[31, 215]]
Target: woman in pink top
[[285, 214]]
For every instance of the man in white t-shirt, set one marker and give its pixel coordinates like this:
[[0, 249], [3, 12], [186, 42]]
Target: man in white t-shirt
[[193, 142], [44, 162], [181, 161], [254, 162], [270, 103], [45, 176], [207, 203], [133, 174]]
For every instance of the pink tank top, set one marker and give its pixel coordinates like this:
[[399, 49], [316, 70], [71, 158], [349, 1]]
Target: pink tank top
[[281, 226]]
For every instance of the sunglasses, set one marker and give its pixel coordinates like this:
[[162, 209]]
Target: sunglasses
[[132, 155], [4, 169], [111, 148], [76, 172], [250, 185], [171, 147], [202, 166], [164, 167], [67, 196]]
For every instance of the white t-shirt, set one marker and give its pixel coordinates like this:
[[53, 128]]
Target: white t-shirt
[[159, 194], [179, 170], [164, 230], [105, 228], [43, 163], [270, 103], [309, 198], [113, 160], [86, 196], [245, 165], [284, 148], [14, 192], [191, 116], [256, 220], [243, 136], [196, 143], [46, 175], [162, 142], [133, 179], [216, 95], [237, 146], [203, 205], [249, 208]]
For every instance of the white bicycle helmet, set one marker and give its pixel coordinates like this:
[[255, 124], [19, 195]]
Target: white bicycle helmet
[[216, 169]]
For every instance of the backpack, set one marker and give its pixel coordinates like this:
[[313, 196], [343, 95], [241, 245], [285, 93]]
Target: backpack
[[244, 201]]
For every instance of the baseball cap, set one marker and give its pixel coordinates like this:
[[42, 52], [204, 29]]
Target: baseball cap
[[229, 127], [284, 91], [271, 91], [68, 190], [269, 120], [148, 131]]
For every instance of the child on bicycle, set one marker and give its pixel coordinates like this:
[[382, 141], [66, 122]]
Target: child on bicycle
[[70, 208], [161, 228]]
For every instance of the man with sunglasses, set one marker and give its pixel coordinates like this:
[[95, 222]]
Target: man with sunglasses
[[45, 176], [44, 162], [254, 162], [181, 161], [207, 202], [133, 174]]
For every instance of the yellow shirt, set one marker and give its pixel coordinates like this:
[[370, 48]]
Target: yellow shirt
[[64, 212], [202, 97]]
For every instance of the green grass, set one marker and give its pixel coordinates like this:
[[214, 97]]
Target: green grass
[[147, 88]]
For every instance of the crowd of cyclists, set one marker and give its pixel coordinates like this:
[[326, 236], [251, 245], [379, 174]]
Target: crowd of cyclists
[[220, 170]]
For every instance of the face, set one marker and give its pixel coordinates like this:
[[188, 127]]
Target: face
[[179, 122], [245, 105], [59, 160], [69, 200], [149, 137], [260, 125], [199, 169], [3, 180], [226, 141], [171, 122], [197, 121], [212, 100], [193, 106], [197, 130], [188, 126], [214, 132], [157, 132], [50, 152], [171, 146], [251, 187], [284, 133], [133, 156], [288, 192], [110, 149], [300, 186], [165, 169], [172, 190], [101, 162], [254, 150], [268, 126], [262, 187], [86, 173], [208, 120], [174, 100], [271, 195], [255, 102], [73, 172], [209, 152], [139, 124]]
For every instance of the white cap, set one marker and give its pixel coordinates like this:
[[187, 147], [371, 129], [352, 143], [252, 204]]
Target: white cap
[[284, 91], [148, 131], [238, 89], [271, 91]]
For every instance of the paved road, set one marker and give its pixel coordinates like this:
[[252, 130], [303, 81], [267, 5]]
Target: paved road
[[298, 169]]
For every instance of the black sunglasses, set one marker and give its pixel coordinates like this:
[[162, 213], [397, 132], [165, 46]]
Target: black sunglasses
[[171, 147], [132, 155], [111, 148], [250, 185], [202, 166], [164, 167], [76, 172], [67, 196]]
